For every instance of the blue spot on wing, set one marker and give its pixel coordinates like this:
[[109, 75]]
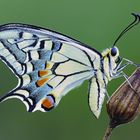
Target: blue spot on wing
[[56, 46], [39, 64], [34, 75], [30, 87], [40, 92], [45, 54]]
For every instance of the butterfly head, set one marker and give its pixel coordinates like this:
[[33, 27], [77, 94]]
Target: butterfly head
[[114, 57], [112, 53]]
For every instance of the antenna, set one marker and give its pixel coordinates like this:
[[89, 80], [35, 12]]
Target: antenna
[[131, 25]]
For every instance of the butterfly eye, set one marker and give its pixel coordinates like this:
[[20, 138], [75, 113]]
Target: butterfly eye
[[113, 51]]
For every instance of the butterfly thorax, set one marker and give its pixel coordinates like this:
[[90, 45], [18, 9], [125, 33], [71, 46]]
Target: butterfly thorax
[[110, 62]]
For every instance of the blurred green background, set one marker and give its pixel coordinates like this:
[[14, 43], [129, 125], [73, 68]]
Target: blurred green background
[[96, 23]]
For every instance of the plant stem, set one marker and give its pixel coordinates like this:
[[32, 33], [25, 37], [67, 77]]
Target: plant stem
[[108, 133]]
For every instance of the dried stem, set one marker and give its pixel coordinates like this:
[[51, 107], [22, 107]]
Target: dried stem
[[108, 133]]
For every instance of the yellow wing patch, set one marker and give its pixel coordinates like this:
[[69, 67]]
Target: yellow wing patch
[[49, 65]]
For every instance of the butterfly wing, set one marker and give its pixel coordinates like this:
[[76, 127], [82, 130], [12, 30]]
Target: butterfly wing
[[96, 96], [47, 64]]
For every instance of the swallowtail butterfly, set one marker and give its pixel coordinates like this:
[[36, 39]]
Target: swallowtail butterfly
[[48, 65]]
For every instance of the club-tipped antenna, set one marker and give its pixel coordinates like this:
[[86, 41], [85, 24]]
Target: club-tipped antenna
[[131, 25]]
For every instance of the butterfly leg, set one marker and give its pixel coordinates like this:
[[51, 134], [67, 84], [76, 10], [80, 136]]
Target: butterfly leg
[[119, 69], [120, 74], [126, 78], [128, 62], [131, 62]]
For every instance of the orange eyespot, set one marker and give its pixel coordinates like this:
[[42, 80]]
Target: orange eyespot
[[48, 103]]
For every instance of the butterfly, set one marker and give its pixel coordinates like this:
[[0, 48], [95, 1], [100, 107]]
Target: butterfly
[[48, 65]]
